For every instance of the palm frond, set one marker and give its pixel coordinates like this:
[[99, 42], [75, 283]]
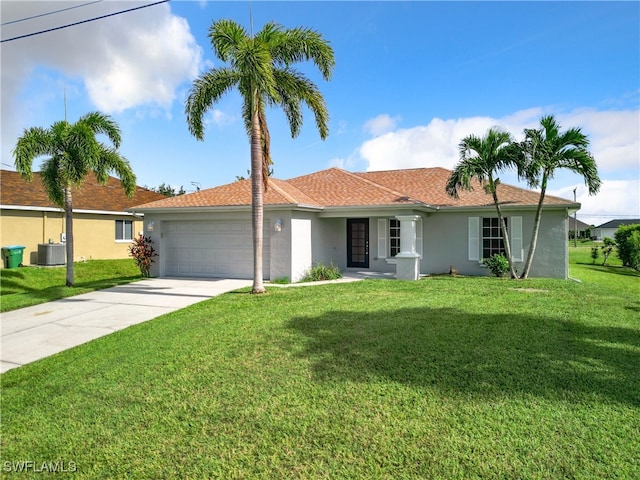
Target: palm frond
[[547, 149], [266, 147], [33, 143], [481, 159], [115, 162], [295, 89], [304, 44], [206, 90], [100, 123], [52, 182], [227, 39]]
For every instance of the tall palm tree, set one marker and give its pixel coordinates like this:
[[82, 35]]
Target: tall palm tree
[[481, 159], [260, 67], [73, 151], [546, 150]]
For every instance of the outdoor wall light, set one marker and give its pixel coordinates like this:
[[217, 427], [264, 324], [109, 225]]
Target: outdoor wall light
[[278, 225], [150, 227]]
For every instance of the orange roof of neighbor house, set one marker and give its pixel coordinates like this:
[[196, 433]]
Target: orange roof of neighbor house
[[335, 187], [17, 192]]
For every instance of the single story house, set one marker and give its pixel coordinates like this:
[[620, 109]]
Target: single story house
[[580, 227], [609, 229], [103, 228], [399, 221]]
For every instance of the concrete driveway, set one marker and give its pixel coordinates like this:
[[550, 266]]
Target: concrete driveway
[[32, 333]]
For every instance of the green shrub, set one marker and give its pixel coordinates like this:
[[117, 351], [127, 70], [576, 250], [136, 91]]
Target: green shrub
[[322, 272], [498, 264], [628, 240], [281, 280], [143, 252], [595, 253], [607, 248]]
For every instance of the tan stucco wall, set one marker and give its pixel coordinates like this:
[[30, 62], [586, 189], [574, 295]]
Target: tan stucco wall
[[94, 234]]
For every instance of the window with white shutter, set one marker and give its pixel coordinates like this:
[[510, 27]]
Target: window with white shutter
[[382, 238], [474, 238], [517, 248]]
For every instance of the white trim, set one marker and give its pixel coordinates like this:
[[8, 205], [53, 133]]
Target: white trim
[[124, 229], [105, 212], [35, 209], [516, 207], [60, 210], [419, 236]]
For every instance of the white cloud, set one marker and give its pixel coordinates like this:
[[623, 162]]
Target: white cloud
[[615, 144], [135, 59], [614, 136], [342, 127], [616, 199], [432, 145], [381, 124], [219, 118]]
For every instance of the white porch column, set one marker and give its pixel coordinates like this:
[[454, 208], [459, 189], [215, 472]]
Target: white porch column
[[408, 260]]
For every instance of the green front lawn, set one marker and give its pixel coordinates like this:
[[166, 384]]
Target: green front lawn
[[441, 378], [26, 286]]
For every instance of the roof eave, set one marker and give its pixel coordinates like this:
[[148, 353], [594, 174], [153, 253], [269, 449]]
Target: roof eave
[[375, 210], [570, 207], [224, 208]]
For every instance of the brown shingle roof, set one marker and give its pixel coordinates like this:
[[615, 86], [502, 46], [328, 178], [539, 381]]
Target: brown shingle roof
[[427, 185], [235, 194], [91, 195], [335, 187]]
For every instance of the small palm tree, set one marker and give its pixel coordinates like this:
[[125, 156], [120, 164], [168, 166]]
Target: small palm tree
[[546, 150], [73, 151], [482, 159], [260, 68]]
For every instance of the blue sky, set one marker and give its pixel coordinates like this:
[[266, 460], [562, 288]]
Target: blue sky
[[411, 80]]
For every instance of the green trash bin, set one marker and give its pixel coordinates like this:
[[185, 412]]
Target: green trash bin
[[12, 256]]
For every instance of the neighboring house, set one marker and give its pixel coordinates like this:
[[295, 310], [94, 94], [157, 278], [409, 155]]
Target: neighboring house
[[103, 228], [609, 229], [398, 221], [580, 226]]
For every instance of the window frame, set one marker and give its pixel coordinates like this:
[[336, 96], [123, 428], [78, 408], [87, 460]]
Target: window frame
[[394, 237], [495, 238], [384, 238], [475, 237], [121, 229]]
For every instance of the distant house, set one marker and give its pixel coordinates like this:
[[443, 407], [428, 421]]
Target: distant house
[[398, 221], [609, 229], [579, 226], [103, 229]]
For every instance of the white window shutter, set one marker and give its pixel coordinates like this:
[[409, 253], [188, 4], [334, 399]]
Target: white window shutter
[[419, 237], [382, 238], [474, 238], [517, 253]]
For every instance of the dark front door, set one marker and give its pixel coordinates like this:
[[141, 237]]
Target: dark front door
[[358, 242]]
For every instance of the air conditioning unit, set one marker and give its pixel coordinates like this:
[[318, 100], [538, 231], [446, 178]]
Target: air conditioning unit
[[51, 254]]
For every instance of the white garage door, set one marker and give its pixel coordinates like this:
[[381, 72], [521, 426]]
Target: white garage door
[[211, 249]]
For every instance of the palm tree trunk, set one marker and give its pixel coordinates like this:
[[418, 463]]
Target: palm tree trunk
[[503, 227], [256, 200], [536, 228], [68, 210]]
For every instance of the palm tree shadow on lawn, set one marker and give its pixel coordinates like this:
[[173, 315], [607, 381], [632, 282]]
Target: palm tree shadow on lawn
[[475, 354]]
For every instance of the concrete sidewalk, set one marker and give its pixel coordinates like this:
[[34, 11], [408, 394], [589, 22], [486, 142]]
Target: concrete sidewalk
[[32, 333]]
